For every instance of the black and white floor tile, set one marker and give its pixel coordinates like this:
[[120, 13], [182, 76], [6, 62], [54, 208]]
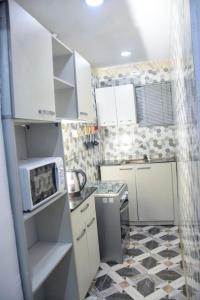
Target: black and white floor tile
[[151, 269]]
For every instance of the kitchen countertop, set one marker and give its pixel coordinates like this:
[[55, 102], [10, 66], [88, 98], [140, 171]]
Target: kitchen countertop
[[74, 202], [132, 162], [110, 163]]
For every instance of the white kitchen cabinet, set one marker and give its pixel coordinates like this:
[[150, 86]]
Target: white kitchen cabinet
[[85, 98], [32, 66], [81, 257], [152, 190], [86, 245], [106, 106], [115, 105], [126, 174], [125, 103], [93, 246], [155, 192]]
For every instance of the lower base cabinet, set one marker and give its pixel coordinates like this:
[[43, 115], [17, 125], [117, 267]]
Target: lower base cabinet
[[155, 193], [86, 244], [152, 190]]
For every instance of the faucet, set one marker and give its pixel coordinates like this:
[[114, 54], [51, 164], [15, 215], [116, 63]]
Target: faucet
[[147, 157]]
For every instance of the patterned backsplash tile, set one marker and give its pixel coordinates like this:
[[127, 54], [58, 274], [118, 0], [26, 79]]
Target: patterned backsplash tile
[[137, 74], [76, 154], [116, 143], [129, 142]]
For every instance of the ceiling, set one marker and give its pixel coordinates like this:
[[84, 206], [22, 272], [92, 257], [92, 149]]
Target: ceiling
[[101, 33]]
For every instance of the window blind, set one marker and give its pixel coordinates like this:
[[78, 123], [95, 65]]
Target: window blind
[[154, 104]]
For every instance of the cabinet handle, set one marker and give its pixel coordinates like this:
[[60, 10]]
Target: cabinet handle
[[83, 113], [89, 224], [126, 169], [51, 112], [144, 168], [46, 112], [81, 235], [85, 208]]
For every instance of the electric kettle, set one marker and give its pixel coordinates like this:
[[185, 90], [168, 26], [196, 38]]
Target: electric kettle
[[75, 183]]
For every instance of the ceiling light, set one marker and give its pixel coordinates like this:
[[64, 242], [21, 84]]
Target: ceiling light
[[94, 2], [125, 53]]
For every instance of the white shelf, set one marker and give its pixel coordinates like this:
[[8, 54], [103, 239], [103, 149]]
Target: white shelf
[[62, 84], [59, 48], [28, 215], [43, 258]]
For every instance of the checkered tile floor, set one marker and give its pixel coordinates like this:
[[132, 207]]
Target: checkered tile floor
[[151, 269]]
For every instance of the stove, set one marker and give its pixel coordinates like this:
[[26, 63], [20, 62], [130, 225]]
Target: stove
[[108, 188], [111, 199]]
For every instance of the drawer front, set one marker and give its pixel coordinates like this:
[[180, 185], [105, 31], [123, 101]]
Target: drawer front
[[78, 225], [85, 210], [85, 238], [93, 245], [82, 261]]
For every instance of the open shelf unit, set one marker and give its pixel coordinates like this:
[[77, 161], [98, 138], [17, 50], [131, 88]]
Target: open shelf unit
[[43, 236], [61, 84], [28, 215], [64, 79], [59, 48], [44, 257]]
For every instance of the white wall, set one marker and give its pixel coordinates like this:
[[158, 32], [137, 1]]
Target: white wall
[[10, 282]]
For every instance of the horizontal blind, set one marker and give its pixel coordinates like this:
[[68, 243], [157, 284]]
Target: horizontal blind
[[154, 104]]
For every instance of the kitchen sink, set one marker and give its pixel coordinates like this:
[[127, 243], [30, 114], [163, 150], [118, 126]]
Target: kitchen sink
[[145, 161], [161, 160], [133, 161]]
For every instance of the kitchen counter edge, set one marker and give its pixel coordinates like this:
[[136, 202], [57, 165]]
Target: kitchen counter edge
[[75, 202], [121, 163]]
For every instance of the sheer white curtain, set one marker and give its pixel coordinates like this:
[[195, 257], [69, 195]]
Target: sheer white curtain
[[10, 282]]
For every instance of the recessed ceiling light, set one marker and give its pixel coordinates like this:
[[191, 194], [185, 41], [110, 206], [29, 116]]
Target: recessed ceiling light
[[125, 53], [94, 2]]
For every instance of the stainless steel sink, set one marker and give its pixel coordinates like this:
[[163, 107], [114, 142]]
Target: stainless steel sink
[[161, 160], [145, 161], [133, 161]]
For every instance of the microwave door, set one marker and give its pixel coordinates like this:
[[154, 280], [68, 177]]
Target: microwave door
[[43, 183]]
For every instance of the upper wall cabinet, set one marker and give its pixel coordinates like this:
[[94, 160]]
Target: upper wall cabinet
[[125, 103], [85, 98], [116, 105], [32, 67], [106, 106]]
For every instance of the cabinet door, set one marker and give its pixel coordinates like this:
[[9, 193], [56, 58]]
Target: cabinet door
[[125, 103], [32, 66], [93, 245], [84, 88], [126, 174], [81, 256], [155, 192], [106, 106]]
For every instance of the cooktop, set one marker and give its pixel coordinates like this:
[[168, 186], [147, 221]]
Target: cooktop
[[108, 187]]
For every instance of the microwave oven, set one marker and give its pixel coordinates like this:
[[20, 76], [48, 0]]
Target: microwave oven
[[41, 179]]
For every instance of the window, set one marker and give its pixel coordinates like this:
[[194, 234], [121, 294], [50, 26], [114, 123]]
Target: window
[[154, 104]]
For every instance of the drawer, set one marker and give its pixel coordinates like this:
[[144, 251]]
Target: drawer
[[78, 225], [85, 210]]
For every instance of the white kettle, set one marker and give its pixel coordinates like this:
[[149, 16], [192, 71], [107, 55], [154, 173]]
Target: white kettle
[[75, 184]]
